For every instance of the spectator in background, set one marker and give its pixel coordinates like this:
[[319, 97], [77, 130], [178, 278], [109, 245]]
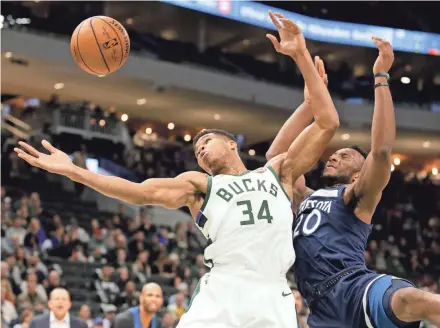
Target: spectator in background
[[137, 244], [120, 243], [25, 319], [53, 281], [150, 302], [109, 315], [168, 320], [83, 236], [106, 289], [177, 308], [35, 207], [141, 268], [7, 292], [121, 259], [17, 229], [30, 299], [30, 278], [129, 297], [85, 315], [37, 266], [97, 323], [9, 313], [35, 233]]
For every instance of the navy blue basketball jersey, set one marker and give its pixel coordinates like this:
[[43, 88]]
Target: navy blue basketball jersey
[[329, 242], [328, 237]]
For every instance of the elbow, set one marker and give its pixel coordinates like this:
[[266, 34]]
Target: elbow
[[270, 154], [383, 153], [330, 124]]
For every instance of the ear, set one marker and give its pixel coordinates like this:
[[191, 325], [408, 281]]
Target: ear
[[232, 145], [355, 176]]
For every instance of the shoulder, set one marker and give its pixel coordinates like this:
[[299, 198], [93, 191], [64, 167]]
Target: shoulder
[[41, 318], [125, 316], [77, 322]]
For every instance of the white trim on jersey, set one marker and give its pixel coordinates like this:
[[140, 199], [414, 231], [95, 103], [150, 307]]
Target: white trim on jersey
[[325, 193], [364, 301]]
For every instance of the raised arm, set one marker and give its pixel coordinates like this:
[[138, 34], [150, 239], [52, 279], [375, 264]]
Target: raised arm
[[170, 193], [308, 147], [376, 170], [298, 121]]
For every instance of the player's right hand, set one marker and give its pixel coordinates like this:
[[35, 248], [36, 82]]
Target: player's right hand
[[292, 40], [57, 162], [319, 65]]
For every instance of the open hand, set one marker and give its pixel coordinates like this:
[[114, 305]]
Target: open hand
[[57, 162], [386, 56], [319, 64], [292, 40]]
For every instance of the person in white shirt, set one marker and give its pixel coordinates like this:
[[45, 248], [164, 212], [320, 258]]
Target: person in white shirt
[[59, 316]]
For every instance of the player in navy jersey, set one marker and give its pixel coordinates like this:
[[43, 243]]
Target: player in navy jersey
[[333, 225]]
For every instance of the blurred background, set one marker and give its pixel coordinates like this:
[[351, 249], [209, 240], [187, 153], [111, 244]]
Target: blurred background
[[194, 65]]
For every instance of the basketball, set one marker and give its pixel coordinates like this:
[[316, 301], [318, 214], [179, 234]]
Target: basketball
[[100, 45]]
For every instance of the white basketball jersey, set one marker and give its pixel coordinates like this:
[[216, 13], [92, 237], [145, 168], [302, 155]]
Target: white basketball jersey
[[248, 221]]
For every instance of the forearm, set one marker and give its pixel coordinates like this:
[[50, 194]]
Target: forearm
[[323, 109], [383, 131], [290, 130], [113, 187]]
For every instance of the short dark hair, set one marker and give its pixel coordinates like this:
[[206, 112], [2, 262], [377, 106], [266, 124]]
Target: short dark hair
[[360, 151], [213, 131]]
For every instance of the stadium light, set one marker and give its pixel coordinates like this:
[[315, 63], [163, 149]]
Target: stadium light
[[434, 171], [392, 167], [58, 86], [187, 137], [426, 144], [251, 152], [148, 131], [345, 136], [8, 54], [396, 161], [170, 126], [141, 101], [405, 80], [124, 117], [216, 117]]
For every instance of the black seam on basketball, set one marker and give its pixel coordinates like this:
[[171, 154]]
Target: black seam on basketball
[[79, 51], [122, 47], [97, 43]]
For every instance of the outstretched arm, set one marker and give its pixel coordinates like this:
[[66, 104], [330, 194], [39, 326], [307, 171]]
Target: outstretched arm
[[376, 170], [299, 120], [170, 193], [308, 147]]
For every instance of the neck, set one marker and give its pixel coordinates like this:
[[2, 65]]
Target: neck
[[234, 169], [58, 317], [145, 317]]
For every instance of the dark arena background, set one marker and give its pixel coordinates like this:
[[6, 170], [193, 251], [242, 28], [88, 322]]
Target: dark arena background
[[195, 65]]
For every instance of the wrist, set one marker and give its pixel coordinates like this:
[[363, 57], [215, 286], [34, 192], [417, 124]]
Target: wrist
[[299, 54], [380, 79], [73, 173]]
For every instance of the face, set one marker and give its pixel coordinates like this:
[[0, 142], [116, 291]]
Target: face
[[54, 278], [151, 298], [213, 152], [59, 302], [84, 312], [32, 283], [343, 166]]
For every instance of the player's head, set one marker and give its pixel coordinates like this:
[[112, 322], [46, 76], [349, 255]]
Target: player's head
[[344, 166], [215, 150], [151, 298]]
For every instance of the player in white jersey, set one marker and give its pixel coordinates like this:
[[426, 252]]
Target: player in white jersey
[[246, 216]]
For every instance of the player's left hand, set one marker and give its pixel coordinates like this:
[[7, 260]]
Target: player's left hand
[[292, 41], [386, 56]]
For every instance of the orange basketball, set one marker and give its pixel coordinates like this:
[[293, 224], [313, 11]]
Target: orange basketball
[[100, 45]]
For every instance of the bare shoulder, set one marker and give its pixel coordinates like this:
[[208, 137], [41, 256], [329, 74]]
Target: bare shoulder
[[197, 179], [276, 162]]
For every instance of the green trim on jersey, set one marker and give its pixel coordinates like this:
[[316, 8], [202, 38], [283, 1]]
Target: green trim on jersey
[[208, 193], [196, 292], [279, 181], [239, 175]]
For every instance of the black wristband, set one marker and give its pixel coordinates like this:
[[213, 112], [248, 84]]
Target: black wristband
[[386, 75], [381, 84]]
